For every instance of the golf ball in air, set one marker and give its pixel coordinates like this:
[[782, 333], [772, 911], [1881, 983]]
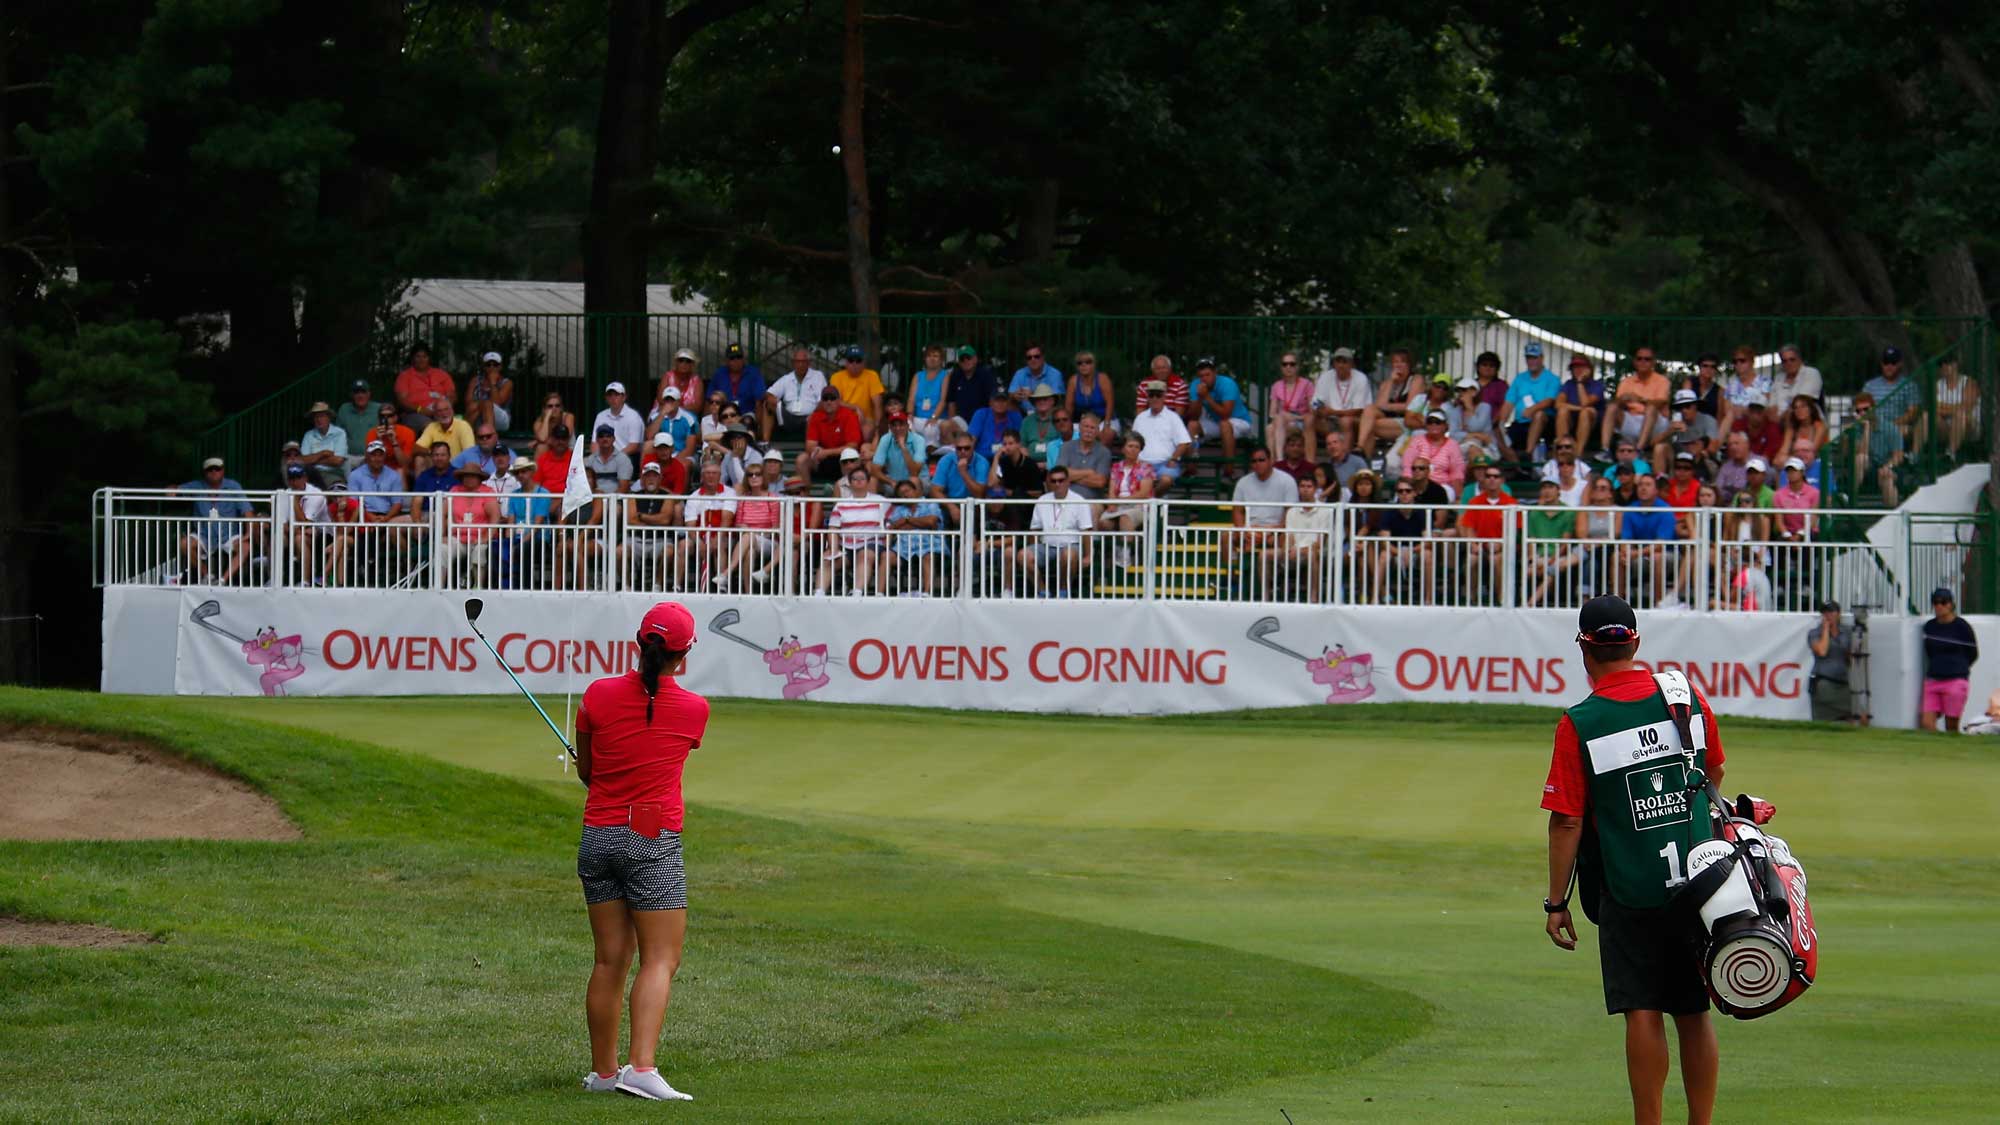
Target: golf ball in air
[[836, 150]]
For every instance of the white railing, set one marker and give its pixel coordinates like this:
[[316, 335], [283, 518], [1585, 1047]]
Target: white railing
[[1727, 559]]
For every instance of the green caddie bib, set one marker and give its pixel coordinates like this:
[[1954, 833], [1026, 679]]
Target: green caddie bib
[[1642, 818]]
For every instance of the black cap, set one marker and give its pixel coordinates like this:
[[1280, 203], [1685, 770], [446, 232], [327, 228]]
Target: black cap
[[1892, 354], [1204, 361], [607, 431], [1829, 606], [1941, 595], [558, 432], [358, 385], [734, 351], [1607, 620], [829, 393]]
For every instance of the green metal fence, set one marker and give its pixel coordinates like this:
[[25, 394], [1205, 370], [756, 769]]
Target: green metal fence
[[575, 354]]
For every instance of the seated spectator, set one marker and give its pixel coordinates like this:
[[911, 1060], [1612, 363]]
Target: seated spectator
[[1627, 453], [288, 456], [652, 513], [1688, 431], [1804, 422], [1755, 473], [1548, 552], [1406, 563], [357, 416], [1058, 554], [1257, 508], [1396, 396], [1087, 458], [794, 397], [1640, 402], [446, 427], [833, 429], [398, 441], [1734, 470], [1796, 496], [684, 376], [473, 513], [1131, 479], [900, 455], [1898, 400], [554, 416], [1038, 429], [1562, 469], [1342, 459], [1482, 520], [501, 480], [1580, 403], [418, 385], [742, 384], [1682, 490], [434, 475], [376, 481], [1089, 392], [860, 387], [862, 545], [489, 395], [1880, 447], [758, 516], [1289, 408], [552, 463], [1469, 420], [960, 474], [229, 525], [972, 384], [1162, 371], [1341, 395], [1748, 387], [1034, 372], [679, 427], [484, 452], [1957, 408], [1809, 457], [1433, 497], [997, 418], [673, 470], [1766, 436], [709, 512], [1224, 414], [608, 460], [1434, 446], [1644, 531], [1492, 388], [1530, 412], [1164, 435], [1795, 380], [919, 546], [1625, 485], [738, 454], [324, 446], [319, 550], [627, 425], [1295, 463], [1014, 474], [526, 547], [1308, 531]]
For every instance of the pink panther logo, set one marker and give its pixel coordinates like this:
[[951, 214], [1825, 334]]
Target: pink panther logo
[[803, 666], [1347, 678]]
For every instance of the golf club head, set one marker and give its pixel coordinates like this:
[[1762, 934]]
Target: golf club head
[[473, 608], [1261, 628], [725, 619], [205, 610]]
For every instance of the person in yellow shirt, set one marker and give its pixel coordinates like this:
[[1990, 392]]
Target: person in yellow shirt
[[446, 428], [860, 387]]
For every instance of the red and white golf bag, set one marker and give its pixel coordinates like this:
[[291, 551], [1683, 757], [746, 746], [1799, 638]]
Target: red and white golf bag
[[1750, 891]]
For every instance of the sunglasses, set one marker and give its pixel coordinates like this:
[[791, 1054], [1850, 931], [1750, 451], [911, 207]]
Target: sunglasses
[[1288, 363], [1406, 492], [1642, 359], [1034, 355], [1609, 635]]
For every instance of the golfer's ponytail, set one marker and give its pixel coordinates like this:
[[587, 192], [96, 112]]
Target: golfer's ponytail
[[654, 658]]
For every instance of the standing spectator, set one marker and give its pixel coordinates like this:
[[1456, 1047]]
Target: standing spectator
[[1295, 463], [919, 545], [1038, 429], [742, 383], [1641, 400], [433, 475], [1898, 400], [833, 429], [447, 427], [1570, 480], [1957, 406], [997, 418], [1530, 411], [628, 427], [552, 463], [1341, 395], [684, 376], [1580, 402], [1258, 506], [1343, 460], [1164, 434], [1223, 413], [899, 455], [1749, 386], [1804, 422], [1644, 530], [1469, 420], [608, 460], [1399, 393], [930, 394], [673, 469], [1087, 459], [1950, 651], [1289, 406], [972, 384], [228, 524], [489, 395], [553, 416], [1767, 437], [1795, 380], [960, 474], [1707, 385], [1033, 373], [1831, 644], [1434, 446], [324, 445], [1062, 518], [1798, 497], [676, 425], [860, 386], [1090, 392], [1688, 431], [418, 384], [474, 510], [357, 415], [795, 395], [398, 440]]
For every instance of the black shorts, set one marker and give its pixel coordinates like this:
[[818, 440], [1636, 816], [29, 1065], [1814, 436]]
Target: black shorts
[[831, 468], [1651, 959]]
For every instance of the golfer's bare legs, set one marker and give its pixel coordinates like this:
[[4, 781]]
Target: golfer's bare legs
[[1700, 1063], [1645, 1064], [611, 931], [660, 935]]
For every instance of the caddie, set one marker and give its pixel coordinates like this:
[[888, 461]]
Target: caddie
[[1622, 821]]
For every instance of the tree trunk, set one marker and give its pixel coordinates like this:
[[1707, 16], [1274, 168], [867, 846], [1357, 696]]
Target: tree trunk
[[854, 162], [16, 555], [1038, 226], [614, 232]]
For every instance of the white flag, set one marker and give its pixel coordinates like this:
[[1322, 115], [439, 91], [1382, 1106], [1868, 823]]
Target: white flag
[[576, 486]]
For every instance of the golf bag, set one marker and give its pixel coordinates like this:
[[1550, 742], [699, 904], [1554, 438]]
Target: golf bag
[[1750, 892]]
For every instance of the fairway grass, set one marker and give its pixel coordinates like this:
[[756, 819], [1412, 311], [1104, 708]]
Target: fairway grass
[[1057, 917]]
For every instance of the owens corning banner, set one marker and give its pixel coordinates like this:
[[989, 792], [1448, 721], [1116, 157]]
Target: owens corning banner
[[1076, 656]]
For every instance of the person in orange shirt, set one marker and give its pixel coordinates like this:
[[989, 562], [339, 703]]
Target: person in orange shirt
[[397, 439], [1641, 403], [860, 387], [418, 384]]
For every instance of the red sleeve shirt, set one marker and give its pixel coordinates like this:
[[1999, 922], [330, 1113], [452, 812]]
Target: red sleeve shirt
[[1567, 791], [834, 431], [632, 761]]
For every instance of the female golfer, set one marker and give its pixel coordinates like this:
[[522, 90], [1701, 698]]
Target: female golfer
[[633, 734]]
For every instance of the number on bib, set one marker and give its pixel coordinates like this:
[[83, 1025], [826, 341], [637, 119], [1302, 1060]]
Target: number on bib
[[1672, 854]]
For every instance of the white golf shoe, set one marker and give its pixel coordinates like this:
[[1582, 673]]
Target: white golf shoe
[[596, 1085], [649, 1085]]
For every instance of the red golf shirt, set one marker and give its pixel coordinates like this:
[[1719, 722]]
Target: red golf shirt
[[632, 761]]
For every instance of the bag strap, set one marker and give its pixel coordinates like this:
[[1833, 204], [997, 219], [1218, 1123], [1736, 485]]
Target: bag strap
[[1678, 696]]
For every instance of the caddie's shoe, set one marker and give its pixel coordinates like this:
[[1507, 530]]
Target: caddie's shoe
[[600, 1085], [649, 1085]]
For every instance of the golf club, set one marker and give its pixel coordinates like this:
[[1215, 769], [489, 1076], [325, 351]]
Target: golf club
[[204, 616], [720, 627], [1260, 632], [473, 608]]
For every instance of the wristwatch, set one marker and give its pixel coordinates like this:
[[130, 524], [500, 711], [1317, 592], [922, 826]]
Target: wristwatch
[[1554, 907]]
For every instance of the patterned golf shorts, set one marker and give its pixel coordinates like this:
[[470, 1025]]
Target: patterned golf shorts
[[615, 862]]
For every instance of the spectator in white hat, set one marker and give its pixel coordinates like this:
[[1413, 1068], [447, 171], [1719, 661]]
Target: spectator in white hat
[[1688, 430], [324, 445], [671, 421], [1469, 420], [1796, 496], [1340, 396], [375, 481], [1755, 472], [626, 425], [684, 376], [488, 395]]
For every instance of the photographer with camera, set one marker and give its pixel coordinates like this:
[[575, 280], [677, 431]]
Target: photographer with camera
[[1831, 643]]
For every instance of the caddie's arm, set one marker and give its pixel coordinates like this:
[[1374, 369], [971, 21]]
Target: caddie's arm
[[1565, 835]]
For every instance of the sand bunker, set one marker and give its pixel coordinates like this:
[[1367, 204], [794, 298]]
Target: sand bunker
[[74, 935], [73, 785]]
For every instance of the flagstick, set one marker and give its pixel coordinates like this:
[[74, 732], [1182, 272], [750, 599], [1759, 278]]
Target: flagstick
[[576, 495]]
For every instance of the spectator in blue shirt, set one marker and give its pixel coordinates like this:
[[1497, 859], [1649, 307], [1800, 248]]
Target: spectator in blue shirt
[[1531, 405], [436, 476], [972, 385], [1646, 527], [992, 421], [228, 524], [960, 474], [1220, 398], [376, 482], [743, 383], [1034, 373], [530, 508], [915, 519]]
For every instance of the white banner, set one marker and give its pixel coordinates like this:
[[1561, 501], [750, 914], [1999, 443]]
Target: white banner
[[1042, 655]]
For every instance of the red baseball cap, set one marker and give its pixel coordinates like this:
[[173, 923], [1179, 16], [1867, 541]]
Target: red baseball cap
[[672, 621]]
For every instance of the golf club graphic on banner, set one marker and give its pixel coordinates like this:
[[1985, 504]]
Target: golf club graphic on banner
[[277, 656], [802, 666], [1346, 678]]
